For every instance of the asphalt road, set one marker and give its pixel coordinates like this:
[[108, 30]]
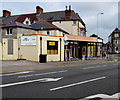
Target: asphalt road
[[76, 82]]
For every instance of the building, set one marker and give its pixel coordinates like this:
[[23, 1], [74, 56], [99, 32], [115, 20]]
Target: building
[[0, 45], [52, 36], [114, 41]]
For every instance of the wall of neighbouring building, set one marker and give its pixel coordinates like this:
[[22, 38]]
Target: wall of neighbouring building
[[0, 44], [0, 51], [10, 50], [69, 26]]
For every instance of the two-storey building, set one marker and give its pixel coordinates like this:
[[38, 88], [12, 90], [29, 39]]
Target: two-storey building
[[114, 41], [51, 36]]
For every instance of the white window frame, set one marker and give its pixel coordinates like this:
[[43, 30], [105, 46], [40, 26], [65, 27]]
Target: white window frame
[[116, 35], [8, 31]]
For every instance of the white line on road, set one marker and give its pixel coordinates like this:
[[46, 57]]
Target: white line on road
[[70, 85], [117, 95], [16, 73], [24, 76], [31, 81], [115, 64], [91, 67], [94, 67]]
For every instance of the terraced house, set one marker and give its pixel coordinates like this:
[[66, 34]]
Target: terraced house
[[46, 36]]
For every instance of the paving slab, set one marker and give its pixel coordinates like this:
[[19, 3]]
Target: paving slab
[[24, 65]]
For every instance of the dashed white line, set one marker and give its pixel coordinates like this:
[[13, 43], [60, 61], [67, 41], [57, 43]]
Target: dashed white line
[[94, 67], [24, 76], [16, 73], [91, 67], [70, 85]]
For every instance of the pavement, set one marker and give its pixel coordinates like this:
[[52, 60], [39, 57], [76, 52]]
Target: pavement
[[24, 65]]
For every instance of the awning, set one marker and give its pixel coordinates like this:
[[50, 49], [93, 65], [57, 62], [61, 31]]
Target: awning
[[79, 38]]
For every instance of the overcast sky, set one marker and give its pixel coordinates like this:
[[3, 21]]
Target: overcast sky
[[88, 11]]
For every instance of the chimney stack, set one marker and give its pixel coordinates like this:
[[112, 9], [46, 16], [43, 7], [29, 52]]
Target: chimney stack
[[68, 12], [39, 10], [6, 13]]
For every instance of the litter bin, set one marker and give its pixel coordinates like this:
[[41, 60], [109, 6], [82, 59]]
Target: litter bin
[[42, 58]]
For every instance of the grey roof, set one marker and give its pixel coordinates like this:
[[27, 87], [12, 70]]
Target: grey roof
[[59, 16], [44, 25], [16, 24], [8, 19], [48, 16], [116, 30]]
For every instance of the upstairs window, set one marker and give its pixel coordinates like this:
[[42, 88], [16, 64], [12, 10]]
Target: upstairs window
[[48, 33], [116, 35], [9, 31], [27, 21]]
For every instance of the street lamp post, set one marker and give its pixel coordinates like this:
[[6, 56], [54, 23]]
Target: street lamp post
[[97, 23], [97, 34]]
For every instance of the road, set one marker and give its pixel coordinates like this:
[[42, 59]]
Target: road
[[76, 82]]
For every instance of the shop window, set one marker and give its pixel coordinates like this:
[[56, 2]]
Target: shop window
[[9, 32], [52, 47]]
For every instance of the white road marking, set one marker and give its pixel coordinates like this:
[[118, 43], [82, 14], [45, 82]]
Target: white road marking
[[51, 79], [91, 67], [70, 85], [95, 67], [16, 73], [104, 65], [117, 95], [24, 76], [31, 81], [115, 64]]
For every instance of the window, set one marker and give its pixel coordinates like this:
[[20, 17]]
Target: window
[[9, 32], [27, 22], [52, 47], [48, 33], [116, 35]]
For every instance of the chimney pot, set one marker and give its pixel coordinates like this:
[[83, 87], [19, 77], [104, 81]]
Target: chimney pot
[[6, 13], [69, 7], [39, 10], [68, 12], [66, 7]]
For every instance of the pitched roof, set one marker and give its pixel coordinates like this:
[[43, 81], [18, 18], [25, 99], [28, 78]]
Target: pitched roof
[[48, 16], [8, 19], [39, 25], [15, 24], [42, 24], [116, 30]]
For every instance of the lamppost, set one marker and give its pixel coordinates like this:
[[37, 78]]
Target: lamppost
[[97, 33], [97, 23]]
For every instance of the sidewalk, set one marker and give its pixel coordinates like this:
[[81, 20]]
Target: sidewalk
[[23, 65]]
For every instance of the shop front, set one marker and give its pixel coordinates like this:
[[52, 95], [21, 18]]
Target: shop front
[[79, 47]]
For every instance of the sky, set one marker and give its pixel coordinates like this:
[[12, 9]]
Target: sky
[[88, 11]]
